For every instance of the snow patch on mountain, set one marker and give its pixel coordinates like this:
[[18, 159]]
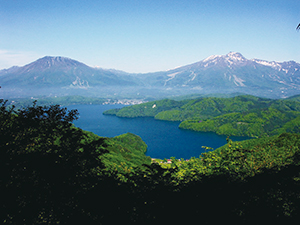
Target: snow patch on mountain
[[212, 57], [238, 81], [235, 56], [232, 58], [229, 76], [172, 76], [80, 83], [272, 64], [194, 76]]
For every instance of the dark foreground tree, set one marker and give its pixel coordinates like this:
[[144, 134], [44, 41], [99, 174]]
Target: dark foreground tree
[[47, 166]]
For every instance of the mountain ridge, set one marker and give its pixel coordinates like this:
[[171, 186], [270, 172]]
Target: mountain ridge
[[217, 73], [232, 71], [58, 70]]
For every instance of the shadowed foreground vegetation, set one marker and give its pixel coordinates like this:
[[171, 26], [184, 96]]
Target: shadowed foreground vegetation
[[55, 173]]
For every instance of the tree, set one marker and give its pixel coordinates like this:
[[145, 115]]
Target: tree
[[48, 166]]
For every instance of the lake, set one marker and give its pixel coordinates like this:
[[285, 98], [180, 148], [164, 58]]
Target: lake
[[164, 138]]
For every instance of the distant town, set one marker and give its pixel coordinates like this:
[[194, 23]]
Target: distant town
[[124, 101]]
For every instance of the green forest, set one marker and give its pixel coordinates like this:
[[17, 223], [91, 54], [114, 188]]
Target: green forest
[[237, 116], [55, 173]]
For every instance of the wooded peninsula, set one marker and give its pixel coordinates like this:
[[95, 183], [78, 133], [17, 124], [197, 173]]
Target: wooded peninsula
[[244, 115]]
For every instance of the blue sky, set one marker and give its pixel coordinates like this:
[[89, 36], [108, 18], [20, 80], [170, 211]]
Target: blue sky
[[147, 35]]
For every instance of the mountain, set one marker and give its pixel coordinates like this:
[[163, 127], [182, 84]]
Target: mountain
[[56, 76], [233, 73], [230, 73], [62, 72]]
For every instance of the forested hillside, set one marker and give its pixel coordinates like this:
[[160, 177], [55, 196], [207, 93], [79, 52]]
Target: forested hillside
[[55, 173], [238, 116]]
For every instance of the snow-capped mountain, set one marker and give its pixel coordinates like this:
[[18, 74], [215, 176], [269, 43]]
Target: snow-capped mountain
[[233, 72], [231, 58], [285, 66], [215, 74]]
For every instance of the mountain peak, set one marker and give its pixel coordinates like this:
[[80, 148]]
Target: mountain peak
[[49, 62], [212, 57], [57, 60], [235, 56], [225, 60]]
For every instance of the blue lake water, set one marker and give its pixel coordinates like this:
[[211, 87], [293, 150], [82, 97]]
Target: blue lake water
[[164, 138]]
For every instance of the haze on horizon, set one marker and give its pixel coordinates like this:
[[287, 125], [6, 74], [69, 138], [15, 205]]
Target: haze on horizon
[[147, 36]]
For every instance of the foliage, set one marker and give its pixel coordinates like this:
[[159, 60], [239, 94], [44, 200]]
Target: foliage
[[194, 108], [51, 170], [148, 109], [238, 116], [294, 98], [126, 154], [239, 180], [47, 165], [265, 122], [55, 173], [243, 159]]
